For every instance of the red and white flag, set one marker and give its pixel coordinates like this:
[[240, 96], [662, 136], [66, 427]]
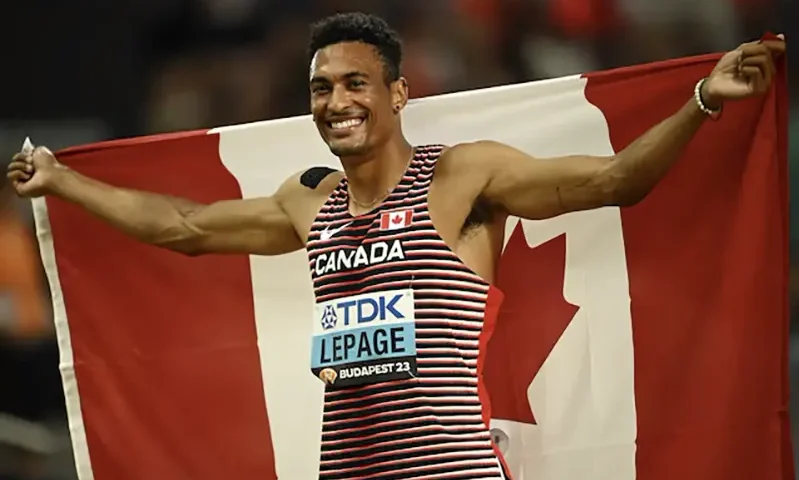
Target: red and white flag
[[396, 219], [647, 343]]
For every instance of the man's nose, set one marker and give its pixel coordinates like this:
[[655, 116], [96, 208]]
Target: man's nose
[[339, 100]]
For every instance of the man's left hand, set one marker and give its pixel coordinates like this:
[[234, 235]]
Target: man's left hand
[[744, 72]]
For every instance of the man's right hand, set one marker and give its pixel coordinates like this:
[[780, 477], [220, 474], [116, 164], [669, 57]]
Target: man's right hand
[[33, 174]]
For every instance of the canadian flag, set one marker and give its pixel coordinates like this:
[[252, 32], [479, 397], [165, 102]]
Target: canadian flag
[[645, 343], [396, 220]]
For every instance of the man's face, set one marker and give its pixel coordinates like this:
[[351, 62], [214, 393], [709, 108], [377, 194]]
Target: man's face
[[351, 104]]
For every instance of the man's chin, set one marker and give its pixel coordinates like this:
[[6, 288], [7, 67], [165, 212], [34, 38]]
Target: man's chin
[[347, 149]]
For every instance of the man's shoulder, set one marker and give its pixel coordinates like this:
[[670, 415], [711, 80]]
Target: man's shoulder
[[315, 177], [467, 157], [462, 170], [477, 149], [313, 181], [310, 184]]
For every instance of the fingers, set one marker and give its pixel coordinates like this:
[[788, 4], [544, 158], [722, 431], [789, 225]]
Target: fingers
[[756, 65], [754, 49], [750, 72], [776, 47], [18, 177], [19, 171], [755, 79], [21, 167], [21, 157], [759, 69], [773, 47]]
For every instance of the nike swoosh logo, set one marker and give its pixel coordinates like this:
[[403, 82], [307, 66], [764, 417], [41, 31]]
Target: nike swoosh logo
[[328, 232]]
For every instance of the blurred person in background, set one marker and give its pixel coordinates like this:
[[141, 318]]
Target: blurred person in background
[[30, 387], [665, 29]]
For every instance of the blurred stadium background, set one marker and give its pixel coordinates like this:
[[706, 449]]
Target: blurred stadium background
[[85, 71]]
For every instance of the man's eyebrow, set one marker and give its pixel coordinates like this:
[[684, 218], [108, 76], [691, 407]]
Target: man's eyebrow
[[348, 75]]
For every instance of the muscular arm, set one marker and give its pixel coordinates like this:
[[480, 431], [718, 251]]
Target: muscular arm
[[522, 186], [534, 188], [255, 226]]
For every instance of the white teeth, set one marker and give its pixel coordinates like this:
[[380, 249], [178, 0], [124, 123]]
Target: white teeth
[[353, 122]]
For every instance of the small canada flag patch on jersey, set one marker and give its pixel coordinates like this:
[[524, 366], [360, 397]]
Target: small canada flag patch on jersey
[[396, 219]]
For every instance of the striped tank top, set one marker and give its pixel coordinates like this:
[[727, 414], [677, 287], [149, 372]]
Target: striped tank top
[[400, 330]]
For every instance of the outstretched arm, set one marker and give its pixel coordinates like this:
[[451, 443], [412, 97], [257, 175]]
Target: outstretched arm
[[541, 188], [535, 188], [255, 226]]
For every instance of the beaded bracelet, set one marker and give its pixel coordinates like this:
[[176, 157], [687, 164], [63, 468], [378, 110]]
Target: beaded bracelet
[[701, 103]]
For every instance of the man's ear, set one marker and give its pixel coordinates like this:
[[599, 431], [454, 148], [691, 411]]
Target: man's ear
[[399, 94]]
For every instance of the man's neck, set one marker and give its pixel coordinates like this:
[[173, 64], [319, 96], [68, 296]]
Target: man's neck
[[371, 179]]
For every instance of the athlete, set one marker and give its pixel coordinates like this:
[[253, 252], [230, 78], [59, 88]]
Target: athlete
[[402, 244]]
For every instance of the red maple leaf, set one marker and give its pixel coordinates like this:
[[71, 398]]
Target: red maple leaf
[[396, 219], [533, 317]]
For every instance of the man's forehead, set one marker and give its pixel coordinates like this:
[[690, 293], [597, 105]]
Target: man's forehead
[[343, 58]]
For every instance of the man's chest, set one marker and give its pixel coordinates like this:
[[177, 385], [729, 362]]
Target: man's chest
[[363, 271], [348, 249]]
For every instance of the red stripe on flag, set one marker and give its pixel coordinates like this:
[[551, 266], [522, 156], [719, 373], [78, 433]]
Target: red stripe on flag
[[707, 259], [165, 346], [532, 318], [385, 219]]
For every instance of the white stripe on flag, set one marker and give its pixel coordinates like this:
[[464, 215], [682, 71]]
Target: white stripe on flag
[[584, 395], [261, 156]]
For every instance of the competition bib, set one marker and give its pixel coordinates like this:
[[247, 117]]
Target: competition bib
[[364, 339]]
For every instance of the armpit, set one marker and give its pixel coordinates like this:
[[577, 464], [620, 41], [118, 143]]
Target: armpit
[[481, 214]]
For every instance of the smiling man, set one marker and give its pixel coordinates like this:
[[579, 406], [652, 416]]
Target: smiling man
[[402, 243]]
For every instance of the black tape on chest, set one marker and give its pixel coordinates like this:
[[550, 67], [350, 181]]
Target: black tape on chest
[[312, 177]]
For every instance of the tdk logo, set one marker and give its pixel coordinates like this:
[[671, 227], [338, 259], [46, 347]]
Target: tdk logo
[[329, 318], [365, 310]]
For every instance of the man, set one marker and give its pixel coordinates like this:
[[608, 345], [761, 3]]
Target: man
[[402, 245]]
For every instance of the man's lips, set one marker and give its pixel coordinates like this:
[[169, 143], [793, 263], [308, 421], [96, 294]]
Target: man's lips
[[344, 124]]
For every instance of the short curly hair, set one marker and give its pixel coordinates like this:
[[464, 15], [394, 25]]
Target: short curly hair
[[359, 27]]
